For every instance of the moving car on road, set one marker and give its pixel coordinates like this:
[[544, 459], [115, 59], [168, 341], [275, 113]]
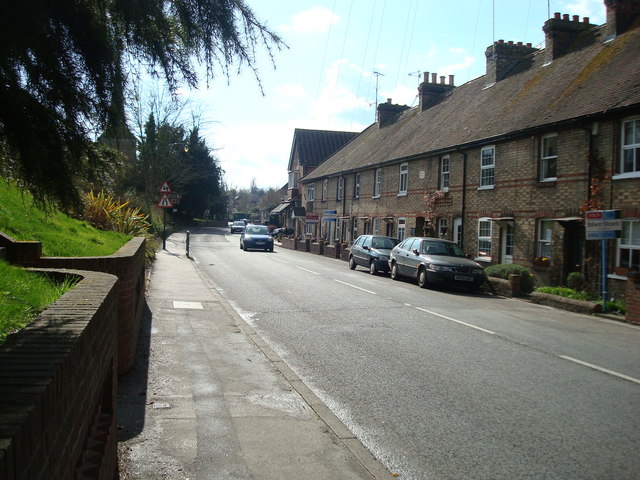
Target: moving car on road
[[433, 261], [372, 252], [238, 226], [256, 236]]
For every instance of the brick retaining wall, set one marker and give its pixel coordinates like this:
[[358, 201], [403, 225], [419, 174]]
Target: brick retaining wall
[[58, 380], [632, 297], [128, 264]]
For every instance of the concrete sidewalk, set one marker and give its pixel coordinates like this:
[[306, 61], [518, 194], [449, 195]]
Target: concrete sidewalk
[[208, 399]]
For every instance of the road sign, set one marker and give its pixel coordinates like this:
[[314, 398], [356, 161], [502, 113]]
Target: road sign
[[165, 188], [165, 202], [329, 215], [174, 198], [311, 219], [603, 224]]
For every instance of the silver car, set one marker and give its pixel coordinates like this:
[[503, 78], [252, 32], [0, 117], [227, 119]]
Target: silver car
[[433, 261]]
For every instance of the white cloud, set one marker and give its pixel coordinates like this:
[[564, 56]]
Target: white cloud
[[294, 90], [314, 20]]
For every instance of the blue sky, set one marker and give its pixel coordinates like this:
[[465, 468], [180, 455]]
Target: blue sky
[[325, 79]]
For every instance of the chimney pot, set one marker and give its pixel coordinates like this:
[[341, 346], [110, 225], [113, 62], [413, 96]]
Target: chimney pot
[[500, 41], [556, 15], [565, 16], [426, 77], [529, 45], [434, 78], [442, 79], [576, 18], [519, 44], [451, 80], [510, 42], [389, 101], [585, 19]]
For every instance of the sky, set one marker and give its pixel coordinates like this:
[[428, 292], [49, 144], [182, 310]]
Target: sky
[[343, 56]]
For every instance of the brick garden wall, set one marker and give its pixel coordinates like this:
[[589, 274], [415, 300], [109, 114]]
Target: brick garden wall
[[128, 264], [58, 380]]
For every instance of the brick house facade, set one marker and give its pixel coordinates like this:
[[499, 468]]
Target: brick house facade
[[507, 163]]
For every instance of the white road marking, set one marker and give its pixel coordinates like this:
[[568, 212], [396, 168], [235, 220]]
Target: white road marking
[[310, 271], [457, 321], [353, 286], [604, 370], [278, 260]]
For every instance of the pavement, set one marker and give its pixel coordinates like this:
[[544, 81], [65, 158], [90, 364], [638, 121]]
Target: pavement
[[208, 399]]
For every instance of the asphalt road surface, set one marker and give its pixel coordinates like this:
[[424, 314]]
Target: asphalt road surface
[[441, 384]]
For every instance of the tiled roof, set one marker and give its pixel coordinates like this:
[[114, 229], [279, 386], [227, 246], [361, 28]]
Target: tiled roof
[[315, 146], [596, 79]]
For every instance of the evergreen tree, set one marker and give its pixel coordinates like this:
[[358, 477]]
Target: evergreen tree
[[64, 67]]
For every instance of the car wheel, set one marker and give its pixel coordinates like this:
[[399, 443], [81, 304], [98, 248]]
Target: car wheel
[[422, 277], [270, 249], [394, 271], [241, 247], [372, 267], [352, 263]]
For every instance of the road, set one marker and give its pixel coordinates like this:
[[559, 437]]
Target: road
[[442, 384]]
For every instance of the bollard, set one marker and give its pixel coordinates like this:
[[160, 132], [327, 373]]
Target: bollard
[[188, 238]]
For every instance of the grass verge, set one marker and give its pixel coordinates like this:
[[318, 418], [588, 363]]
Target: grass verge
[[24, 294]]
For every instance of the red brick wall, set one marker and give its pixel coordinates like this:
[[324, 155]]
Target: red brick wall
[[632, 297], [58, 380], [128, 264]]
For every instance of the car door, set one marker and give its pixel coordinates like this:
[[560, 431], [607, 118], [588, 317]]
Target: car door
[[412, 261], [401, 259], [364, 255], [356, 250]]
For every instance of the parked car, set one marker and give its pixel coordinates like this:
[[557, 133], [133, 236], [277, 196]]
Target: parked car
[[433, 261], [256, 236], [372, 252], [238, 226]]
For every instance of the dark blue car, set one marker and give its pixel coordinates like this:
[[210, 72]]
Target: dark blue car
[[372, 252], [257, 237]]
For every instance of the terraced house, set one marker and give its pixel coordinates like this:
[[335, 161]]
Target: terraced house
[[506, 164]]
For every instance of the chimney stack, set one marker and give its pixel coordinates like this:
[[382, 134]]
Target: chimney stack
[[562, 33], [430, 91], [388, 111], [502, 57], [621, 16]]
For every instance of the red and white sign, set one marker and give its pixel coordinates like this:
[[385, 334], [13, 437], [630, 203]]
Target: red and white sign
[[165, 202], [165, 188]]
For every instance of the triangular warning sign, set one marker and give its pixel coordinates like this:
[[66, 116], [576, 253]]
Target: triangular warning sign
[[165, 188], [165, 202]]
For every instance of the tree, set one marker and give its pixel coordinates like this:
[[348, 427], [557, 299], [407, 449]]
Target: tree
[[64, 67]]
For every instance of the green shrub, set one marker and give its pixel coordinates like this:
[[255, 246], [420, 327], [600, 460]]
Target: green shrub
[[503, 270], [576, 281], [564, 292]]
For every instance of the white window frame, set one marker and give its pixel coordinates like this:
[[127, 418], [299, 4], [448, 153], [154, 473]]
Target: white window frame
[[487, 170], [311, 192], [548, 158], [544, 241], [376, 226], [629, 147], [402, 228], [485, 233], [404, 179], [445, 166], [356, 185], [325, 188], [627, 245], [356, 222], [377, 185], [340, 188]]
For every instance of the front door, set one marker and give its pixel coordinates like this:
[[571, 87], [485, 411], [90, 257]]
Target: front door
[[506, 243]]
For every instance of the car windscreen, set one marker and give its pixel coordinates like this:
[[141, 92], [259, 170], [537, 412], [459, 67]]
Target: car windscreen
[[441, 248], [256, 231], [383, 242]]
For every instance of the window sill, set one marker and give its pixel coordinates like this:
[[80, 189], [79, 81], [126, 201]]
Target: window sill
[[613, 276], [547, 182], [402, 194], [483, 259], [376, 196], [487, 187], [622, 176]]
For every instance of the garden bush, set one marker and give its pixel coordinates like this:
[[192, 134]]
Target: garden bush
[[503, 270]]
